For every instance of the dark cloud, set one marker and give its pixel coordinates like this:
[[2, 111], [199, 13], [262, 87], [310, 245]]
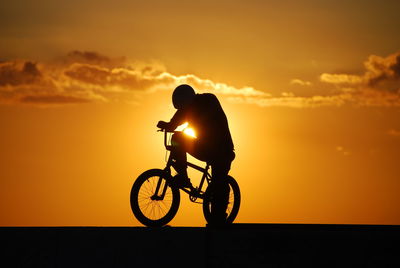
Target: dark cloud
[[116, 77], [379, 85], [79, 77], [381, 69], [52, 99], [88, 56], [93, 58], [381, 73], [25, 82], [88, 74], [18, 73]]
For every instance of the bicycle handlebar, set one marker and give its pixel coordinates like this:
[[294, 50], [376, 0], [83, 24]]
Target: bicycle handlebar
[[165, 136]]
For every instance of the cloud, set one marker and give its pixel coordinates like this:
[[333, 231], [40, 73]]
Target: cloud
[[300, 82], [84, 77], [106, 78], [379, 69], [93, 58], [18, 73], [33, 83], [340, 79], [379, 85], [218, 88], [295, 101], [57, 99]]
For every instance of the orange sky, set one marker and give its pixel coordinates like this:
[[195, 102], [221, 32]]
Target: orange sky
[[311, 92]]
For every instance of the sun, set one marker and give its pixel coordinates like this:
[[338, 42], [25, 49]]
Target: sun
[[190, 132], [187, 130]]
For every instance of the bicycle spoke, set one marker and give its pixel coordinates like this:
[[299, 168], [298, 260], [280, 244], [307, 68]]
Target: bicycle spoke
[[154, 209], [153, 201]]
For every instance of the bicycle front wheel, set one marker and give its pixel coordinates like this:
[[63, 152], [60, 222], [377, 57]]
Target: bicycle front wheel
[[153, 202]]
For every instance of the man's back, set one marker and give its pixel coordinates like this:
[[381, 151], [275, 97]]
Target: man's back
[[207, 117]]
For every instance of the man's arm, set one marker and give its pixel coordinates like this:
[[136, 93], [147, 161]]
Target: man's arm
[[176, 120]]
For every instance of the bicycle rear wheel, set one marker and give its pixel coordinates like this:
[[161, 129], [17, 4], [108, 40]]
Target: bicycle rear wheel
[[233, 203], [153, 208]]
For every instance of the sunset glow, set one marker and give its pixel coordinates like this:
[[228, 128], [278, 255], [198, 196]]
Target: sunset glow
[[311, 90], [190, 132], [187, 130]]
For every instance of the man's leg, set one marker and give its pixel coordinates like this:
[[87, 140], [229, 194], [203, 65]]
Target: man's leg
[[178, 153], [180, 145], [220, 188]]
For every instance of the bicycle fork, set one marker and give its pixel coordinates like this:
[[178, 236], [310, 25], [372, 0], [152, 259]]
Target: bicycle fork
[[156, 196], [160, 186]]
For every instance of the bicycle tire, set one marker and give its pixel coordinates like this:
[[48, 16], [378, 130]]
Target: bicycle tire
[[233, 205], [153, 213]]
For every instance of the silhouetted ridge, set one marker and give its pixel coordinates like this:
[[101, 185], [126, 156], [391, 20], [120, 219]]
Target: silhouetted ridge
[[240, 245]]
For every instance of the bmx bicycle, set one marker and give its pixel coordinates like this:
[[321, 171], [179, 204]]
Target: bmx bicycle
[[155, 198]]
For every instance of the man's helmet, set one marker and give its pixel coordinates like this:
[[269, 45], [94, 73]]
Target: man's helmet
[[183, 95]]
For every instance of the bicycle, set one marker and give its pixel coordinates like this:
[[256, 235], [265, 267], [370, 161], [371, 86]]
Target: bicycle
[[155, 198]]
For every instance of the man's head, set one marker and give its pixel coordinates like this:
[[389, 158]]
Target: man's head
[[182, 96]]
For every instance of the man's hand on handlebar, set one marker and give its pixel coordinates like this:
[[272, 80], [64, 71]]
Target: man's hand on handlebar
[[163, 125]]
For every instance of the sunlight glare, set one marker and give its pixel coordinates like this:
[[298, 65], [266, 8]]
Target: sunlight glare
[[190, 132], [182, 127], [187, 130]]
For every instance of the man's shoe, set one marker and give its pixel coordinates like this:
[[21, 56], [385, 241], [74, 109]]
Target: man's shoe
[[182, 181]]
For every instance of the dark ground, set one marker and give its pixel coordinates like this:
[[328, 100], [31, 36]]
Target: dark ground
[[241, 245]]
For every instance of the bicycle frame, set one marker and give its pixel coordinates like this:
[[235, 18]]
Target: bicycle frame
[[193, 193]]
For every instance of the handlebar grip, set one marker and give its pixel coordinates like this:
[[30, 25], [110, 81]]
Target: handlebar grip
[[166, 130]]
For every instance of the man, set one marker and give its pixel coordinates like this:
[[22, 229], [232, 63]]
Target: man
[[213, 142]]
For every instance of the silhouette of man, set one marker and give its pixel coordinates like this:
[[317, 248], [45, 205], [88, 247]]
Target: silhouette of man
[[213, 143]]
